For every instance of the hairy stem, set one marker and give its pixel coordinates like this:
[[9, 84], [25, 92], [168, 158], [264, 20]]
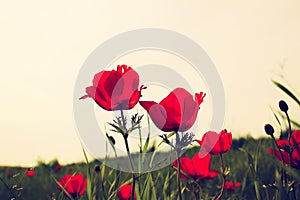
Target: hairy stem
[[289, 136], [178, 167], [284, 179], [125, 136], [223, 177]]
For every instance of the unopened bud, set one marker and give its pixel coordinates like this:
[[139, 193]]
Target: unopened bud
[[269, 129], [283, 106], [97, 168]]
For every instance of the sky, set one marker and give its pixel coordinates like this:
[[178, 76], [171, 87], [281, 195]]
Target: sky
[[44, 44]]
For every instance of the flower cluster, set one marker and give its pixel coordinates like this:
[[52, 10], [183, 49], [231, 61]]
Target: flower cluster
[[287, 148], [177, 112]]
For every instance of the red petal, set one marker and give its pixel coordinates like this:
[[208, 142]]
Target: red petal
[[237, 184], [98, 82], [201, 162], [295, 139], [99, 98], [157, 114], [186, 166], [124, 192], [282, 143], [225, 140], [210, 142], [213, 174]]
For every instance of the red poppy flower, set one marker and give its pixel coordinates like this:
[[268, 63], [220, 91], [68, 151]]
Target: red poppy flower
[[10, 174], [295, 138], [115, 90], [70, 169], [176, 112], [57, 168], [231, 186], [124, 192], [30, 173], [196, 168], [284, 147], [216, 143], [75, 185]]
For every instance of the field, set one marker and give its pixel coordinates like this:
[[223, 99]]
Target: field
[[248, 160]]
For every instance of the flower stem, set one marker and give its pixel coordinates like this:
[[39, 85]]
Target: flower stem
[[197, 195], [284, 179], [178, 167], [125, 136], [8, 188], [223, 177], [289, 137]]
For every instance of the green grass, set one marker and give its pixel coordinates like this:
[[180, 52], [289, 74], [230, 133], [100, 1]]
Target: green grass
[[248, 159]]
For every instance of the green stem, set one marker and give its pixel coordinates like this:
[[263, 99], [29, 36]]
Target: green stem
[[8, 188], [102, 183], [178, 167], [223, 177], [284, 179], [197, 195], [289, 137], [125, 136]]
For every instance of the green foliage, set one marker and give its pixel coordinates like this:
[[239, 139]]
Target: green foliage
[[249, 163]]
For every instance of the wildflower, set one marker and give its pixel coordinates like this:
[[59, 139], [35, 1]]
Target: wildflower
[[176, 112], [116, 89], [216, 143], [30, 173], [231, 186], [75, 185], [57, 168], [10, 175], [286, 147], [124, 192], [196, 168]]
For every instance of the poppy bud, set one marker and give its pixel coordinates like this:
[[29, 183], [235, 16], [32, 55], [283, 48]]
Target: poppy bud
[[111, 139], [269, 129], [283, 106], [97, 168]]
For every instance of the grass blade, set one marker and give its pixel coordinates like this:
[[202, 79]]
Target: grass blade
[[287, 91]]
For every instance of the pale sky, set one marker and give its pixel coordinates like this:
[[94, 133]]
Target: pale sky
[[44, 44]]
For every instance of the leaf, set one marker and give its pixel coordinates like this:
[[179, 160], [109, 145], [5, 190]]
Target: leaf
[[287, 91], [146, 143], [253, 166], [89, 179], [168, 136]]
